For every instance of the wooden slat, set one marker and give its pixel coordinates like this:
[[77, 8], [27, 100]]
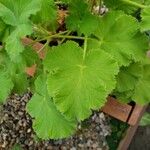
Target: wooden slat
[[136, 114], [116, 109], [124, 144]]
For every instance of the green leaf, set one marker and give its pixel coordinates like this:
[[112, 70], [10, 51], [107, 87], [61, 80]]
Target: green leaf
[[7, 15], [30, 56], [16, 147], [145, 23], [17, 13], [141, 94], [6, 86], [81, 21], [128, 77], [20, 83], [125, 96], [145, 120], [48, 13], [120, 5], [14, 45], [119, 35], [48, 121], [16, 73], [2, 29], [76, 83]]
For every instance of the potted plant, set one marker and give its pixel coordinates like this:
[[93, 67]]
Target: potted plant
[[87, 53]]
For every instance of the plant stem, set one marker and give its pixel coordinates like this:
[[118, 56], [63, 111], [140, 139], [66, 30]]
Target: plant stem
[[85, 47], [100, 6], [92, 4], [69, 37], [65, 38], [61, 36], [134, 3], [50, 36], [46, 44]]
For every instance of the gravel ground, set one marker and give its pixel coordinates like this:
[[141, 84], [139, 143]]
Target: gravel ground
[[16, 127]]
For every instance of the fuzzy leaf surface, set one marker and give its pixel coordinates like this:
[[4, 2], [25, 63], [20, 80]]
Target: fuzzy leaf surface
[[79, 84], [49, 123]]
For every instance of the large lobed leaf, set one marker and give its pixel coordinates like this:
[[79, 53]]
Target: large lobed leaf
[[48, 121], [78, 85], [119, 35]]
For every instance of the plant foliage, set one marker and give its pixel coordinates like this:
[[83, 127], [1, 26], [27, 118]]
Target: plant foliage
[[88, 56]]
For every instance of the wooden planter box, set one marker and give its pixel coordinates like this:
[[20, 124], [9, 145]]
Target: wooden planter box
[[123, 112], [126, 113]]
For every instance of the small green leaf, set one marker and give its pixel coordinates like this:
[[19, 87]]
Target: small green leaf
[[13, 43], [6, 86], [16, 14], [76, 83], [81, 21], [145, 120], [30, 56], [20, 83], [7, 15], [16, 147], [48, 122], [47, 15], [124, 97], [16, 73], [128, 77]]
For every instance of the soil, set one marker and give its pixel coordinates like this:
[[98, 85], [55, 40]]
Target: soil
[[16, 128]]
